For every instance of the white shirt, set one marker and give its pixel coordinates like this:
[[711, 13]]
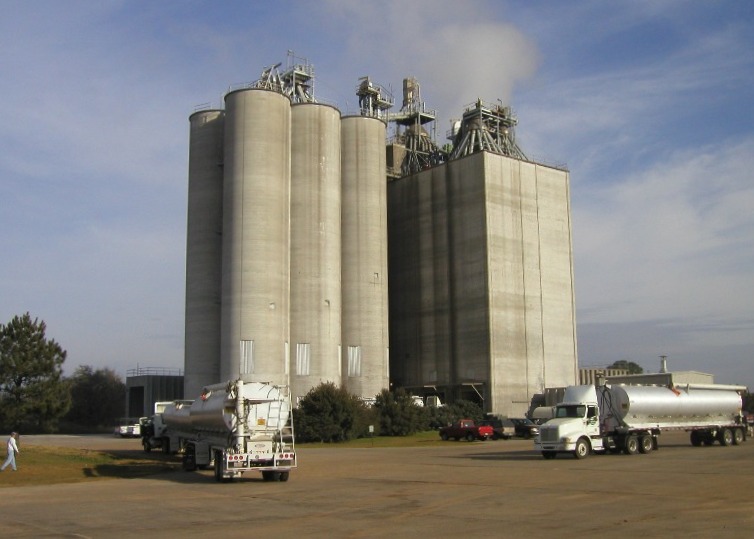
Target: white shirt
[[12, 445]]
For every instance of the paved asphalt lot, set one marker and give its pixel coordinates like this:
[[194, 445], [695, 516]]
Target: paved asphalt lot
[[460, 489]]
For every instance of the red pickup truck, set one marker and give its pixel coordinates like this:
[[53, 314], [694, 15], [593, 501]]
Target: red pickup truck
[[465, 428]]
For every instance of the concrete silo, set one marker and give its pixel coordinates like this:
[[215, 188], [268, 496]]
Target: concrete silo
[[204, 250], [255, 272], [315, 324], [364, 256]]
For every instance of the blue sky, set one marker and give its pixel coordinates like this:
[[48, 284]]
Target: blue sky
[[649, 103]]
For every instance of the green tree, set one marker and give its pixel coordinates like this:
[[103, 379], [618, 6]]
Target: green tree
[[98, 398], [630, 366], [33, 394], [450, 413], [398, 414], [330, 414]]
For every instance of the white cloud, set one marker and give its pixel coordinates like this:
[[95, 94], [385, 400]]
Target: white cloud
[[458, 51], [672, 241]]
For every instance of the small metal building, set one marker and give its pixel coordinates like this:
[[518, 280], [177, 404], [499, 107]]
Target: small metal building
[[145, 386]]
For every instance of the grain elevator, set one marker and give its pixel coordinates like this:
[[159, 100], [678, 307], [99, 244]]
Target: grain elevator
[[322, 248]]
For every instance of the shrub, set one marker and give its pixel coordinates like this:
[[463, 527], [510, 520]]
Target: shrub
[[330, 414], [398, 414]]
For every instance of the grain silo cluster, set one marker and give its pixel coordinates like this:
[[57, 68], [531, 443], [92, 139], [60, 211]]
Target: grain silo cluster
[[292, 212], [286, 272]]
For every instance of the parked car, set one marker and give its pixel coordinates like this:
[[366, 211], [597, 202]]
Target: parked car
[[524, 427], [465, 428], [502, 428], [128, 427]]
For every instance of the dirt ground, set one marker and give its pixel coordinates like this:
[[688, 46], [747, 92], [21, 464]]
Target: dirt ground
[[458, 489]]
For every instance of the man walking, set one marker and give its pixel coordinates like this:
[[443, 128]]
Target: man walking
[[12, 450]]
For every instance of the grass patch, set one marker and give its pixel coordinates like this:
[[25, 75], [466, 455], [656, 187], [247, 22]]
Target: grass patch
[[51, 465], [38, 465]]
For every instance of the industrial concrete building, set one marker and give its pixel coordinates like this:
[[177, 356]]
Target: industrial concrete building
[[300, 222], [481, 271], [286, 270]]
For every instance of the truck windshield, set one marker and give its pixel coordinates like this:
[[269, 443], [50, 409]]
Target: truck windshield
[[570, 411]]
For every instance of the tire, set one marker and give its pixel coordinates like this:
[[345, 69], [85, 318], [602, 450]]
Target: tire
[[738, 436], [646, 444], [444, 436], [470, 437], [631, 445], [218, 466], [271, 475], [284, 476], [549, 454], [726, 437], [189, 459], [696, 439], [582, 449]]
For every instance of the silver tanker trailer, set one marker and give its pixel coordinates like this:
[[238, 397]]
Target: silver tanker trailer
[[630, 418], [236, 427]]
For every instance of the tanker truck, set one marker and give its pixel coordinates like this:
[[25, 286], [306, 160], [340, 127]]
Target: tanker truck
[[630, 418], [235, 427]]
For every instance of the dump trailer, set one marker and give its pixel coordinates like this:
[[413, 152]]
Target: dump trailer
[[629, 419], [234, 427]]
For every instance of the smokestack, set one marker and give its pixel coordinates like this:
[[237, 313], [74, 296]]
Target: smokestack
[[663, 364]]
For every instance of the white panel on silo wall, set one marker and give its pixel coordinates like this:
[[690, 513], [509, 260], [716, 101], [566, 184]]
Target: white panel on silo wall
[[364, 256], [468, 272], [511, 248], [420, 316], [558, 300], [315, 247], [255, 274], [203, 251], [532, 276]]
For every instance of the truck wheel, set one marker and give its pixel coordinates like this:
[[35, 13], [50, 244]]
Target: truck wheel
[[218, 466], [189, 459], [696, 440], [582, 449], [284, 477], [738, 436], [470, 437], [646, 444], [631, 445], [548, 454], [726, 437], [444, 436]]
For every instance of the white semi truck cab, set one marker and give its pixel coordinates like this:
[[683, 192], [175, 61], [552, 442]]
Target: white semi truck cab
[[630, 418]]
